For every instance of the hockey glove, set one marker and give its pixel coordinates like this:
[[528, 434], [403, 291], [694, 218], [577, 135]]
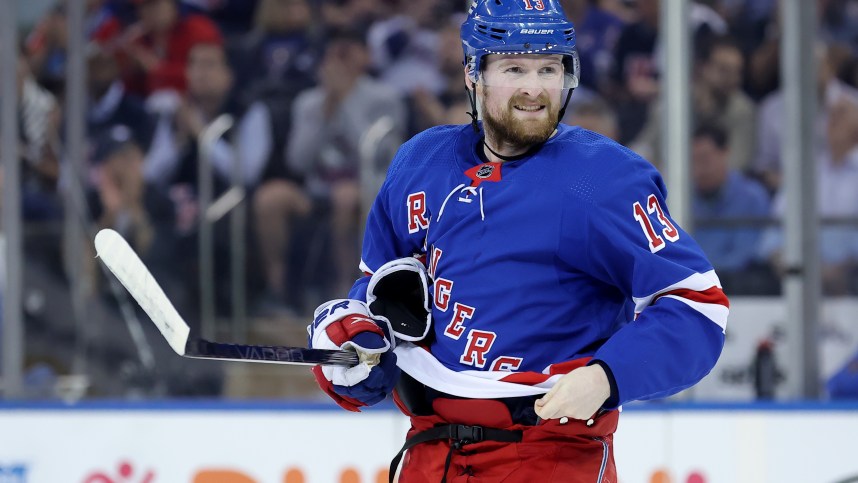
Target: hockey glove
[[347, 324], [398, 292]]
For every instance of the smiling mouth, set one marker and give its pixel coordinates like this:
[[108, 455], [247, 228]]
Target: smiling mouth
[[529, 108]]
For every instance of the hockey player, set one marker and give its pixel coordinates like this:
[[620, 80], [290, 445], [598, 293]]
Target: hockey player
[[524, 277]]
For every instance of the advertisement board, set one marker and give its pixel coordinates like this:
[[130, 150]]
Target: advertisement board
[[183, 445], [231, 446]]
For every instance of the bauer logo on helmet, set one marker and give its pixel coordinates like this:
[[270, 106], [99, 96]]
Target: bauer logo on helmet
[[537, 31]]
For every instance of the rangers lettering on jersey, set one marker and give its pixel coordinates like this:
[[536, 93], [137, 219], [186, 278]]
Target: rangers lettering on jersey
[[461, 312], [506, 363], [417, 219], [433, 261], [443, 287], [479, 344]]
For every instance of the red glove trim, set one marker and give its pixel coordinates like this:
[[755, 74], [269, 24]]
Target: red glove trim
[[344, 402], [348, 327]]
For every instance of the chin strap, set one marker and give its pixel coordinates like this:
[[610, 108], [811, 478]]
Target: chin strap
[[472, 96], [525, 154], [563, 109]]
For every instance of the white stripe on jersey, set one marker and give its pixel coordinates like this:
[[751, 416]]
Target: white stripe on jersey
[[365, 268], [715, 312], [423, 366], [698, 282]]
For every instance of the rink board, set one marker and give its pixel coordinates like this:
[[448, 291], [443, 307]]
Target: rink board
[[262, 443]]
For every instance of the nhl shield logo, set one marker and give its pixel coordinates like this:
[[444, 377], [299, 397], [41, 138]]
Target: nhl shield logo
[[485, 171]]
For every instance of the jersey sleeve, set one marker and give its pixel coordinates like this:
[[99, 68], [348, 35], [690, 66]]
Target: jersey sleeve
[[397, 221], [629, 241]]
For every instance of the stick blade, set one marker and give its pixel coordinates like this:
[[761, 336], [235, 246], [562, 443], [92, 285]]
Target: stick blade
[[124, 263]]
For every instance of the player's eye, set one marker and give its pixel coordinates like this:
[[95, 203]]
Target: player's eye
[[513, 70], [550, 70]]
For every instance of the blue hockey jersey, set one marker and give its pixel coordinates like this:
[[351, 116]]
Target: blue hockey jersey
[[544, 263]]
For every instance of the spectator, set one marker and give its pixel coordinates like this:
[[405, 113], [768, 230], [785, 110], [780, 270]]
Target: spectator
[[277, 58], [763, 69], [209, 81], [46, 49], [717, 99], [182, 120], [110, 105], [155, 50], [839, 58], [122, 200], [751, 25], [39, 147], [47, 43], [595, 115], [838, 22], [723, 194], [638, 55], [352, 14], [458, 111], [622, 9], [837, 177], [596, 34], [233, 17], [404, 48], [634, 79], [830, 91], [325, 144], [849, 72], [430, 108], [277, 204]]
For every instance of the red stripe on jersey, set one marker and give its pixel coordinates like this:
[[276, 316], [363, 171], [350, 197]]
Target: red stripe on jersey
[[568, 366], [533, 378], [712, 295], [528, 378]]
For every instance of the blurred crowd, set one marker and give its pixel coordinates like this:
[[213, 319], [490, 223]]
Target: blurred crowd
[[322, 91]]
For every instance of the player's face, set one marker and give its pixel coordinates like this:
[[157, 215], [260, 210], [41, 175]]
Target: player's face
[[520, 96]]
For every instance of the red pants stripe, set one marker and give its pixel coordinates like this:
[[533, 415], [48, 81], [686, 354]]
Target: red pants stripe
[[549, 452]]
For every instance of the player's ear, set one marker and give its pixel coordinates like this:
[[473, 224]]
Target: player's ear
[[468, 82]]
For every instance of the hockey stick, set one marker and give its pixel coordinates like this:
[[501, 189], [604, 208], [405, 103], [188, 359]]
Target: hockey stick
[[124, 263]]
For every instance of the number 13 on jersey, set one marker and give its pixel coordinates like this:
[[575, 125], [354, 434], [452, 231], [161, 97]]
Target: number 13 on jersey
[[668, 231]]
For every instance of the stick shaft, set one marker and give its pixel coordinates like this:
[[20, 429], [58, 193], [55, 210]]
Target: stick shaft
[[124, 263], [203, 349]]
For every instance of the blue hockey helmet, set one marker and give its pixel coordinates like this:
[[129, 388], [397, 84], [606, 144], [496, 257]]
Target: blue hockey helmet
[[519, 27]]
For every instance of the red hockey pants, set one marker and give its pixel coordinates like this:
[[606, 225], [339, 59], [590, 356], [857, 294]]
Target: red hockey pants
[[548, 452]]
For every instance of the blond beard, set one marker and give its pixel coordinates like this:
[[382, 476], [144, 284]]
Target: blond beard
[[507, 130]]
